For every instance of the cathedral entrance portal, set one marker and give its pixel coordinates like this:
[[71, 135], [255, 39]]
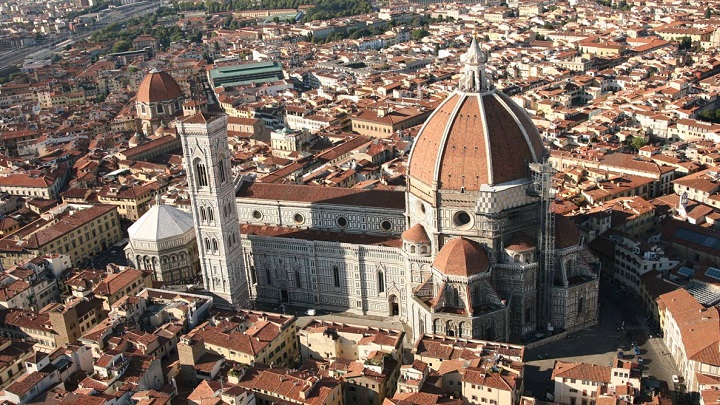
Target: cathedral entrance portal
[[394, 306], [284, 298]]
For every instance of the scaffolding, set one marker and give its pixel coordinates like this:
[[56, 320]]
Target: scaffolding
[[543, 188]]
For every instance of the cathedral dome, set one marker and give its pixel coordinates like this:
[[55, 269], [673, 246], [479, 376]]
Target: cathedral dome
[[161, 222], [158, 86], [416, 234], [477, 136], [461, 257]]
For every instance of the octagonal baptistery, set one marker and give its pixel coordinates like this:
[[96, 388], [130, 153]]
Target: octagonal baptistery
[[163, 241], [472, 156]]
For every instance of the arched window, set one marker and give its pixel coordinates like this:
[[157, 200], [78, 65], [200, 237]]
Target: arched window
[[267, 277], [202, 214], [298, 282], [211, 214], [221, 169], [214, 245], [200, 174], [336, 276], [581, 304], [412, 249], [207, 244], [381, 281]]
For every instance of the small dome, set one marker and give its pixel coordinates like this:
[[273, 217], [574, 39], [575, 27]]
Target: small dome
[[567, 233], [461, 257], [520, 243], [161, 222], [160, 131], [158, 86], [416, 234]]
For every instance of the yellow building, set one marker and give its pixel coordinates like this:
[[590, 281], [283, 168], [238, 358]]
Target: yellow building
[[132, 202], [246, 337], [383, 122], [78, 233], [12, 356], [122, 282], [330, 340]]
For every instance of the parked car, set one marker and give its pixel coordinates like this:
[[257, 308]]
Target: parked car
[[620, 355], [637, 350], [675, 379], [640, 360]]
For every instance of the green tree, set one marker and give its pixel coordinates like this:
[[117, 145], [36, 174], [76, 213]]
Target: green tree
[[637, 142], [121, 46], [276, 20], [708, 12], [418, 34], [685, 43]]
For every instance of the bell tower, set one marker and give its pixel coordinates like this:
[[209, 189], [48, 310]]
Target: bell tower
[[212, 196]]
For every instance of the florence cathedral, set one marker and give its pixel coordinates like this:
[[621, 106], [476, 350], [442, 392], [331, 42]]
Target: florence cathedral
[[462, 252]]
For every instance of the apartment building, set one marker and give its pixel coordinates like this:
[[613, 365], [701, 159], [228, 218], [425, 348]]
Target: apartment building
[[691, 333], [245, 337], [131, 201], [76, 231], [583, 383], [121, 282], [332, 340]]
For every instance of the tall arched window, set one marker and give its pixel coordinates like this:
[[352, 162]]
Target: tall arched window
[[200, 174], [211, 214], [381, 281], [267, 277], [214, 245], [207, 244], [581, 304], [202, 214], [221, 169], [298, 282], [336, 276]]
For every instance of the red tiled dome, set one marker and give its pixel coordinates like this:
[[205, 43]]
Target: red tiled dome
[[474, 139], [477, 136], [416, 234], [461, 257], [158, 86]]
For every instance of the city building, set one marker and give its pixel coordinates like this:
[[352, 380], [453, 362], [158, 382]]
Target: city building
[[247, 73]]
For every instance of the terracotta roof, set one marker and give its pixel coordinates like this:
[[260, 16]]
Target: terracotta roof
[[416, 234], [323, 195], [158, 86], [475, 139], [699, 326], [520, 242], [582, 371], [461, 257], [567, 233]]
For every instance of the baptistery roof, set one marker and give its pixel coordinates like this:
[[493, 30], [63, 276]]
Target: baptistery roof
[[161, 222], [461, 257], [477, 136], [158, 86]]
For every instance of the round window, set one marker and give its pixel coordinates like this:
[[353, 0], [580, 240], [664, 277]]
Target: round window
[[386, 225], [420, 209], [461, 219], [257, 214], [342, 222], [299, 219]]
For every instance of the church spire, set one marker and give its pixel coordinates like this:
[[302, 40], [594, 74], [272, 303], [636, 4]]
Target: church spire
[[475, 78]]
